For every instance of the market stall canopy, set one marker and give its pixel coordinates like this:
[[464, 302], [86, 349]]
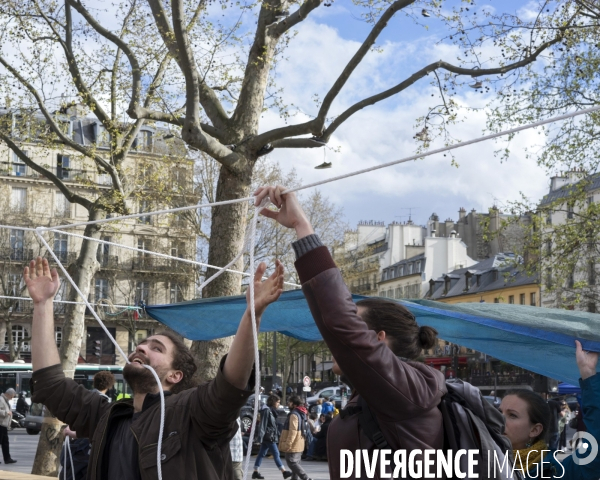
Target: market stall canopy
[[539, 339]]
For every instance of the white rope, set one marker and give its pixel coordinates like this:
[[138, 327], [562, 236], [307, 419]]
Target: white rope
[[147, 214], [252, 238], [252, 235], [446, 149], [162, 422], [29, 299], [340, 177], [67, 448], [170, 257], [81, 295]]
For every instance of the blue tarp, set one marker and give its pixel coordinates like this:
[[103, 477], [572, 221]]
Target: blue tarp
[[535, 338], [566, 389]]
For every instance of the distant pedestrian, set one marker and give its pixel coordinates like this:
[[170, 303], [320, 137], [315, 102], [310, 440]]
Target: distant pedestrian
[[237, 453], [327, 406], [268, 436], [319, 407], [293, 437], [5, 419], [320, 449], [22, 405]]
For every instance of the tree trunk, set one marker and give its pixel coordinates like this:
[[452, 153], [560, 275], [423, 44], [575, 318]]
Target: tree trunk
[[228, 227], [51, 438]]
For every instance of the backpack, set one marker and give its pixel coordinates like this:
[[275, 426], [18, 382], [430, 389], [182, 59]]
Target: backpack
[[470, 422], [271, 431]]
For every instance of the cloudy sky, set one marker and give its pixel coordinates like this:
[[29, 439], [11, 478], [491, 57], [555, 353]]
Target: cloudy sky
[[384, 132]]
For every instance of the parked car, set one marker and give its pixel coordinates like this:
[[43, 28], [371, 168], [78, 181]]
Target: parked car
[[34, 419], [327, 393], [495, 401]]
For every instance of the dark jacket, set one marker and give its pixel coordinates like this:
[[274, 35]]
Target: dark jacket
[[403, 396], [199, 423], [267, 430], [321, 436]]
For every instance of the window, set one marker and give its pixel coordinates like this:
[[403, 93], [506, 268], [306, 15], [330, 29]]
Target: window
[[103, 252], [549, 219], [570, 211], [58, 335], [522, 299], [511, 299], [384, 276], [143, 258], [382, 293], [18, 200], [61, 244], [176, 293], [142, 292], [60, 308], [15, 286], [418, 267], [592, 273], [401, 271], [390, 293], [101, 289], [410, 268], [549, 277], [62, 206], [16, 244], [532, 299], [570, 280], [496, 300], [548, 247], [63, 167], [19, 334], [592, 307], [398, 293], [19, 169], [144, 141], [145, 207]]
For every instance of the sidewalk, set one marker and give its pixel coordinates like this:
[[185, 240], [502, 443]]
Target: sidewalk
[[315, 470]]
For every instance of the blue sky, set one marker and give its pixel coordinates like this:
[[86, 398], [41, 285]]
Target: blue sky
[[384, 132]]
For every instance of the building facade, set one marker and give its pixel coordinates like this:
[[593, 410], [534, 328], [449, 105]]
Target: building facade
[[124, 277]]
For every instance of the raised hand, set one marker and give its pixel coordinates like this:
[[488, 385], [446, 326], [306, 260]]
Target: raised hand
[[267, 291], [42, 283], [290, 213], [586, 361]]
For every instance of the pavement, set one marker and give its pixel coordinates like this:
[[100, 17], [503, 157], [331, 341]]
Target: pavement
[[24, 446]]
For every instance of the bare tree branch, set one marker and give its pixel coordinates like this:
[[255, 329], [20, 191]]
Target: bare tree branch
[[136, 74], [316, 126], [439, 65], [72, 197], [296, 17], [178, 44]]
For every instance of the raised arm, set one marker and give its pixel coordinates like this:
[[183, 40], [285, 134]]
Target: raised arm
[[42, 285], [238, 364]]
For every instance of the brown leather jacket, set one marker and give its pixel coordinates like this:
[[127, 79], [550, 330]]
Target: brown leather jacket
[[403, 396], [199, 423]]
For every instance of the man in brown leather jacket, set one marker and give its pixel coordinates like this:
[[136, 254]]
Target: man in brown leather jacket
[[402, 394], [199, 422]]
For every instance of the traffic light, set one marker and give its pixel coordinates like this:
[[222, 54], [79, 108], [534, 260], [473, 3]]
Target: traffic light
[[98, 350]]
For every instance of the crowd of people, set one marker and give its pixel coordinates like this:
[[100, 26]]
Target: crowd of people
[[396, 402]]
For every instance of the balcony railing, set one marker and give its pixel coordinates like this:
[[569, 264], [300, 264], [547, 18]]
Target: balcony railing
[[157, 264], [108, 261], [502, 380], [11, 169], [361, 288]]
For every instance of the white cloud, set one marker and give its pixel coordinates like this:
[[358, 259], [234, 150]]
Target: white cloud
[[384, 132]]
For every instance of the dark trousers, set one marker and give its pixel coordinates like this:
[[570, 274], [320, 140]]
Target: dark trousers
[[4, 443]]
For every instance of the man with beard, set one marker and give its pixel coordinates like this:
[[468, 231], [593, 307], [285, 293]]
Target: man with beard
[[199, 422]]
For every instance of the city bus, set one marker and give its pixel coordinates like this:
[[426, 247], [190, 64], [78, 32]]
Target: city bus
[[17, 375]]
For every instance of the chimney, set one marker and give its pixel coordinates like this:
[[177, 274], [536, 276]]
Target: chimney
[[462, 213]]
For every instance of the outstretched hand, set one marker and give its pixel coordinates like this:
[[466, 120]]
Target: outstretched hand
[[586, 361], [42, 283], [267, 291], [290, 213]]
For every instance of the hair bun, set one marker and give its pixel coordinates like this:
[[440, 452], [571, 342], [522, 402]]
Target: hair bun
[[427, 337]]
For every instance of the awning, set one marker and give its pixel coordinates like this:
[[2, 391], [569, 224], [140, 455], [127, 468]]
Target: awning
[[538, 339], [324, 366]]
